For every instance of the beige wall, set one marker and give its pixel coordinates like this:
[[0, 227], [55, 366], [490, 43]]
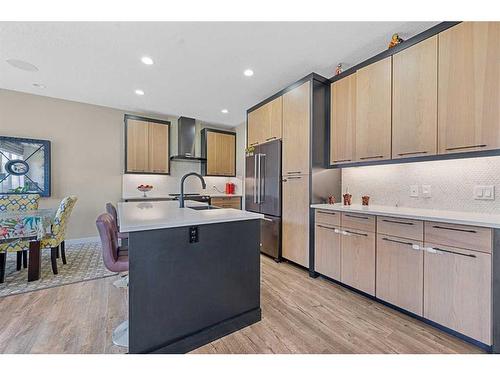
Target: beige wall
[[86, 150]]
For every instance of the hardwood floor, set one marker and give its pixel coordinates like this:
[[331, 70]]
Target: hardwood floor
[[300, 315]]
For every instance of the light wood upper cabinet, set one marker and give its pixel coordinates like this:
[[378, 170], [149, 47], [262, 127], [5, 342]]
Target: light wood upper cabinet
[[400, 272], [220, 151], [296, 130], [137, 146], [295, 219], [158, 148], [469, 87], [327, 250], [265, 123], [373, 111], [343, 120], [414, 100], [457, 290], [358, 260]]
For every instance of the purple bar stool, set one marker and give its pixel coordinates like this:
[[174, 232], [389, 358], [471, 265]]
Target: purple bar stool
[[114, 262], [110, 209]]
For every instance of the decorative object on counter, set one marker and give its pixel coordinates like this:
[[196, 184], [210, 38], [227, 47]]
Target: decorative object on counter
[[338, 69], [365, 199], [395, 40], [230, 187], [24, 166], [144, 189], [331, 199], [347, 198], [250, 150]]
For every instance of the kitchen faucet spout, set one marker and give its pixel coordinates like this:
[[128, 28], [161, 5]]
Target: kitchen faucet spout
[[203, 184]]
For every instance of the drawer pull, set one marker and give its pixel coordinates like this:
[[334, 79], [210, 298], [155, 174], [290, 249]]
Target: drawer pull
[[437, 250], [371, 157], [348, 233], [397, 222], [413, 246], [412, 153], [299, 172], [323, 226], [294, 178], [455, 229], [464, 147], [268, 139], [357, 217], [326, 213], [342, 160]]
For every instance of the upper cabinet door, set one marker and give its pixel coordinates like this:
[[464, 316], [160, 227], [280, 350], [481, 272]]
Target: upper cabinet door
[[469, 87], [373, 111], [265, 123], [296, 130], [137, 146], [343, 120], [158, 148], [220, 153], [414, 100], [256, 127], [275, 119]]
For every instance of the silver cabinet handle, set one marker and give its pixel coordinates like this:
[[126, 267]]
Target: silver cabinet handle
[[268, 139], [357, 217], [437, 250], [298, 172], [464, 147], [294, 177], [397, 222], [371, 157], [348, 232], [412, 153], [325, 227], [342, 160], [327, 213], [455, 229], [413, 245]]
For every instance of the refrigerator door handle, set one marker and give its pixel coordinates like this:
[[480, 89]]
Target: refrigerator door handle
[[255, 179], [262, 178], [258, 181]]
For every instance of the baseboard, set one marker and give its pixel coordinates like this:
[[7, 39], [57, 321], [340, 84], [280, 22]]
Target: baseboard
[[77, 241]]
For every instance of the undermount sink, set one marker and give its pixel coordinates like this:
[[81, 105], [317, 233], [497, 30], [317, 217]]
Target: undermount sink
[[200, 208]]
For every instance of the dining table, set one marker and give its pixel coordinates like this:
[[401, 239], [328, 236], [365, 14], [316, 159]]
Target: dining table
[[27, 226]]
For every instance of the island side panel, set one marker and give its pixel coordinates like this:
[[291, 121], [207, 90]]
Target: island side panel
[[179, 289]]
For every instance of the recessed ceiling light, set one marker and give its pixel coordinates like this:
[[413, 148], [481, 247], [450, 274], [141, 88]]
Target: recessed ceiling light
[[224, 111], [248, 72], [39, 85], [23, 65], [147, 60], [139, 92]]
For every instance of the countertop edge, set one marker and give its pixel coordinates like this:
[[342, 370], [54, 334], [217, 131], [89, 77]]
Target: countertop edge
[[442, 219]]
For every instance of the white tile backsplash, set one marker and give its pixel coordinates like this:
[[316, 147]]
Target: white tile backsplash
[[451, 184]]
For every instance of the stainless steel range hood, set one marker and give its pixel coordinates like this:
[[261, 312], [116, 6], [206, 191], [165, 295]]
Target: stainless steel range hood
[[186, 138]]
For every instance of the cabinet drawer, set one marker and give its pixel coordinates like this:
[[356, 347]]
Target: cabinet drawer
[[463, 236], [358, 221], [328, 217], [226, 202], [405, 228]]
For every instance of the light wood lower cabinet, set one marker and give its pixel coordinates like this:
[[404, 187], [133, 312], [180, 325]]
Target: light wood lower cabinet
[[358, 260], [226, 202], [327, 240], [457, 290], [295, 219], [400, 272]]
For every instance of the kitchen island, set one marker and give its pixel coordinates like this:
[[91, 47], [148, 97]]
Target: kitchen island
[[194, 274]]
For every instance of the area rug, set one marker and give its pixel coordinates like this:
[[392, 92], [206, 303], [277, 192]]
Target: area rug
[[84, 262]]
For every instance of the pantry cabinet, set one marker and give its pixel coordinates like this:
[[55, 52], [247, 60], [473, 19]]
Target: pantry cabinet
[[295, 219], [457, 290], [296, 130], [219, 148], [265, 123], [343, 120], [373, 111], [469, 89], [147, 146], [414, 100]]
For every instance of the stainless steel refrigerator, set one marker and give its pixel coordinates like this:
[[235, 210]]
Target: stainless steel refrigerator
[[263, 193]]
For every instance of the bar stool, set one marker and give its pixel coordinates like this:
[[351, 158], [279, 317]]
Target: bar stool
[[114, 262]]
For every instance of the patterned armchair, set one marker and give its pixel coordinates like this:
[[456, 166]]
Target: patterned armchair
[[18, 202]]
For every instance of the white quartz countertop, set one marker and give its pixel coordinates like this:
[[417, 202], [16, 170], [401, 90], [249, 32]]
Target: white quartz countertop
[[139, 216], [157, 197], [452, 217]]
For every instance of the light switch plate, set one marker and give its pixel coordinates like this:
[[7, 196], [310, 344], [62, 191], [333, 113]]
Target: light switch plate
[[484, 192], [414, 191], [426, 191]]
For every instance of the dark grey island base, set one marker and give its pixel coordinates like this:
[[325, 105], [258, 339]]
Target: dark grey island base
[[187, 289]]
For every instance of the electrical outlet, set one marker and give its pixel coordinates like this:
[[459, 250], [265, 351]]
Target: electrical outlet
[[426, 191], [484, 192], [414, 191]]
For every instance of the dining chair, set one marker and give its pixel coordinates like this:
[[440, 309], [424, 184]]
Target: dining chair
[[56, 240], [114, 261], [18, 202]]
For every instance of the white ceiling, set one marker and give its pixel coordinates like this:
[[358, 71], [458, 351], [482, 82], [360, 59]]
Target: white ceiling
[[198, 67]]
